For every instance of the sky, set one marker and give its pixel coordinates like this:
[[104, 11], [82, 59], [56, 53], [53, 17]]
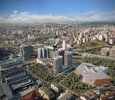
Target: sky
[[21, 11]]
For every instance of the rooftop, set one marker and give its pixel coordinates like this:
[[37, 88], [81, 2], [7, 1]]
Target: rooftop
[[46, 90], [90, 68], [20, 83], [57, 57], [56, 84], [68, 53], [96, 72], [65, 96], [15, 74]]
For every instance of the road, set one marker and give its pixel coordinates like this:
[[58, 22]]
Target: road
[[37, 77], [93, 55]]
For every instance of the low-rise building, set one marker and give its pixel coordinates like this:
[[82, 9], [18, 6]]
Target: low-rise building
[[56, 87], [98, 94], [67, 95], [112, 52], [39, 83], [93, 75], [105, 51], [9, 64], [112, 41], [32, 96], [89, 95], [46, 93], [16, 82]]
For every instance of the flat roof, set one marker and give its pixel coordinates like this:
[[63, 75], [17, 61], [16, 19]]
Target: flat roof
[[68, 53], [66, 95], [20, 83], [14, 74], [57, 57], [46, 90], [56, 84], [12, 66]]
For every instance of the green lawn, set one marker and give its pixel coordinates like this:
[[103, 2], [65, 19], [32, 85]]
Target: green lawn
[[77, 91], [91, 44]]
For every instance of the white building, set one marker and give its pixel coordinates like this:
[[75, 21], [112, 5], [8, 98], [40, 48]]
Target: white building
[[101, 37], [64, 46], [43, 53]]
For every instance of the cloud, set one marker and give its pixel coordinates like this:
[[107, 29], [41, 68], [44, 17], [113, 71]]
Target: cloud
[[14, 14], [25, 17], [15, 11]]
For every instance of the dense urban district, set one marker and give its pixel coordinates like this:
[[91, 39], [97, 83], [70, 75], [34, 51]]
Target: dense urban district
[[57, 61]]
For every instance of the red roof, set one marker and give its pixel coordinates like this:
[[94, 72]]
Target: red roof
[[32, 96]]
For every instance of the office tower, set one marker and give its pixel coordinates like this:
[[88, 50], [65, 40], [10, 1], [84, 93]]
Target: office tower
[[68, 59], [61, 53], [57, 64], [43, 53], [26, 51], [64, 46]]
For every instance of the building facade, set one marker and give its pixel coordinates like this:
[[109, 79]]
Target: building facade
[[93, 75], [64, 46], [43, 53], [105, 51], [68, 59], [46, 93], [56, 87], [26, 51], [62, 53], [57, 64], [112, 52]]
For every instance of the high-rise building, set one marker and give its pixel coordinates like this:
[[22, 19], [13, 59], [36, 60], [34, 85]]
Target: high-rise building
[[43, 53], [57, 64], [61, 53], [64, 46], [68, 59], [26, 51]]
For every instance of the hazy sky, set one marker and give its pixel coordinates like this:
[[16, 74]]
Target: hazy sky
[[56, 10]]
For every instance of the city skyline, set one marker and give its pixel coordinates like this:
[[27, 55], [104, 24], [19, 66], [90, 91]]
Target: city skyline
[[29, 11]]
